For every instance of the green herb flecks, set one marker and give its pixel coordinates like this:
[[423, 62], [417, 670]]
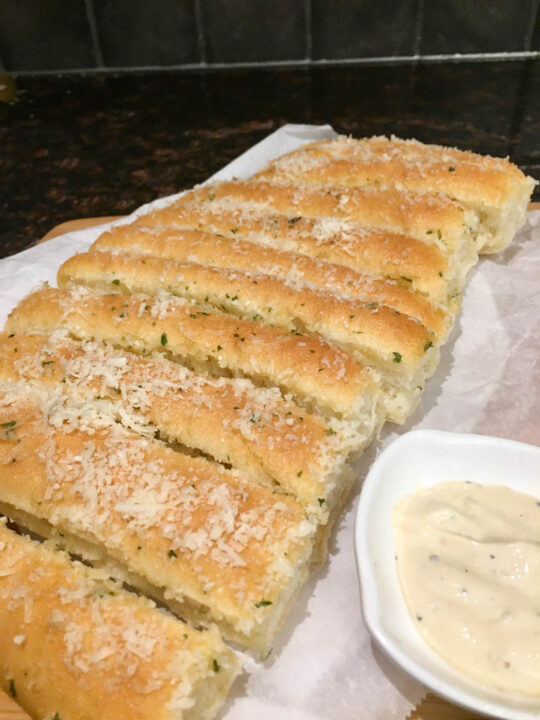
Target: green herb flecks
[[9, 427], [263, 603], [397, 357]]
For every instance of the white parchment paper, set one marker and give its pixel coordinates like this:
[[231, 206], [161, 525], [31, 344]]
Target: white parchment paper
[[324, 666]]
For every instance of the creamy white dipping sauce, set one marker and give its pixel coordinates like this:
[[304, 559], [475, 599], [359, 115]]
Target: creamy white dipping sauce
[[468, 560]]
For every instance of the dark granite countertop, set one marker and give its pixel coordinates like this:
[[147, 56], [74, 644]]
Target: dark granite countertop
[[80, 146]]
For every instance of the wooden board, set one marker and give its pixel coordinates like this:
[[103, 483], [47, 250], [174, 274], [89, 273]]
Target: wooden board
[[435, 708], [80, 224], [9, 710], [431, 708]]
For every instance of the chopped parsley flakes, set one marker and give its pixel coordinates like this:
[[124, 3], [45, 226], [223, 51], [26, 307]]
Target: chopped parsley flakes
[[9, 427]]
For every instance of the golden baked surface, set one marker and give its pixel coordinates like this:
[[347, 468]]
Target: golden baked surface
[[79, 646], [254, 429], [307, 366], [206, 534], [493, 188]]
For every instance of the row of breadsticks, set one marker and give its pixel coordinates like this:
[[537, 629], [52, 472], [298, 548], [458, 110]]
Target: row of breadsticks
[[182, 411]]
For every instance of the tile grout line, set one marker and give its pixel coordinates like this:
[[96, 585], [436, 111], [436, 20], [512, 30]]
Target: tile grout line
[[199, 28], [532, 22], [292, 64], [91, 17], [520, 107], [418, 28], [417, 43], [308, 10], [308, 13]]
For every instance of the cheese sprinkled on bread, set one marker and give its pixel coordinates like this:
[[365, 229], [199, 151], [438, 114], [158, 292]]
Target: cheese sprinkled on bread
[[493, 188], [253, 429], [76, 645], [210, 542]]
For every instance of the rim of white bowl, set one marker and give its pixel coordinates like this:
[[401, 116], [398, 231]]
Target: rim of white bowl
[[370, 590]]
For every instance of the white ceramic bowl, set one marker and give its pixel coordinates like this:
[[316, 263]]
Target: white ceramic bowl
[[421, 459]]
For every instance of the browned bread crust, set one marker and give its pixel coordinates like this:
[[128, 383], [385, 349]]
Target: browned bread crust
[[214, 545], [467, 177], [420, 216], [253, 429], [213, 250], [374, 333], [75, 645], [376, 253], [492, 187], [313, 370]]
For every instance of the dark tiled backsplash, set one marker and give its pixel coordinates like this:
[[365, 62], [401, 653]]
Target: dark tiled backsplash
[[49, 35], [40, 34], [131, 33], [253, 31], [345, 29], [477, 26]]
